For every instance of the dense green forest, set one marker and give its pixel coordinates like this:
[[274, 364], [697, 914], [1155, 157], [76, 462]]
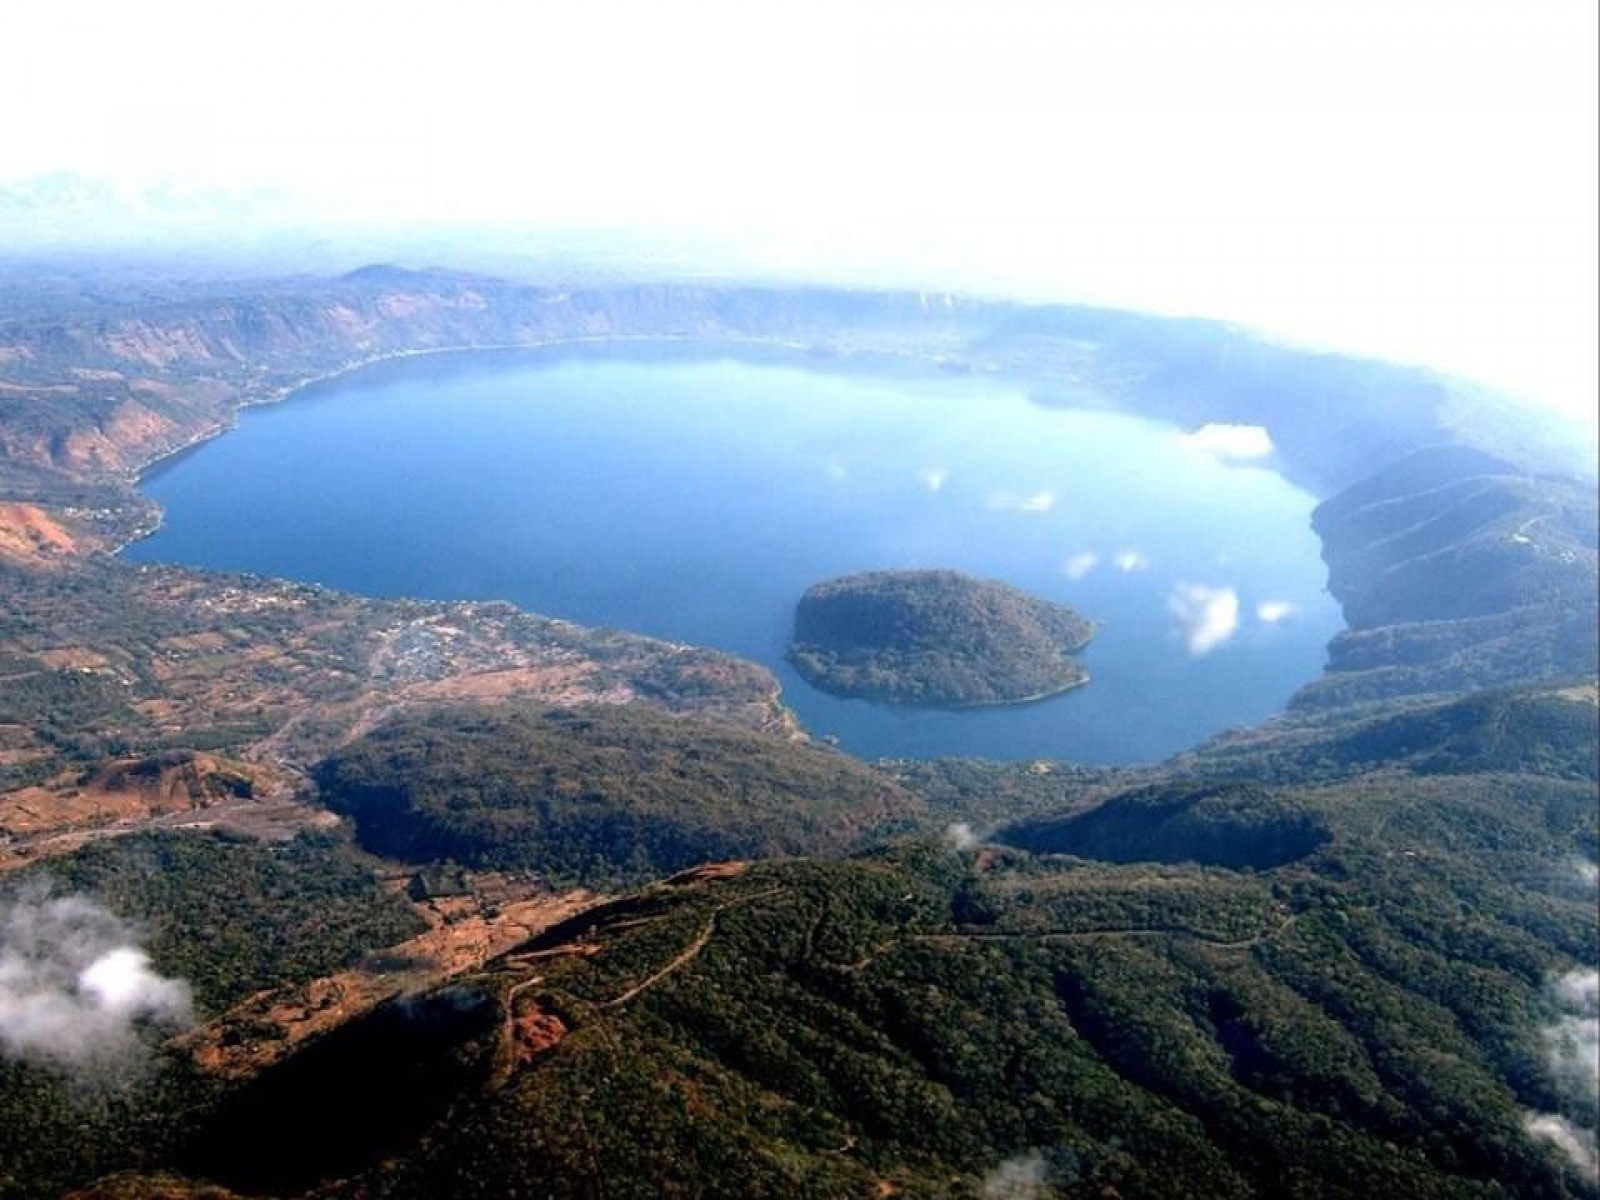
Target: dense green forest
[[918, 1019], [601, 795], [1334, 955], [935, 638], [230, 916], [1179, 988]]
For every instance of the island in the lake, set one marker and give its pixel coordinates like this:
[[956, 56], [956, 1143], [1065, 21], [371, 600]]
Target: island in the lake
[[936, 639]]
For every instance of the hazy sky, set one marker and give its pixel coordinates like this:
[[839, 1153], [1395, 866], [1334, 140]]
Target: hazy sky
[[1411, 178]]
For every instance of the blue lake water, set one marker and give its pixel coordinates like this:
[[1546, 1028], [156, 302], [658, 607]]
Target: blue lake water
[[695, 498]]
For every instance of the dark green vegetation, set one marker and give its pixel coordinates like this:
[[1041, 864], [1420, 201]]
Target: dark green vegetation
[[1362, 1021], [935, 638], [234, 915], [1238, 825], [1309, 959], [231, 916], [1499, 730], [1357, 1007], [601, 795]]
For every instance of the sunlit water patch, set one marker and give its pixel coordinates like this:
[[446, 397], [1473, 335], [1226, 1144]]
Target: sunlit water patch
[[696, 498]]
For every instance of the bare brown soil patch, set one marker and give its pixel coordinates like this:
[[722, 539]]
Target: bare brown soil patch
[[465, 932], [130, 436], [31, 535], [151, 1187], [533, 1032], [562, 685], [708, 871], [125, 795], [75, 658]]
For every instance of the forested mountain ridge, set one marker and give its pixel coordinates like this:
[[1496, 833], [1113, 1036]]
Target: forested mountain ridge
[[1456, 571], [1326, 956]]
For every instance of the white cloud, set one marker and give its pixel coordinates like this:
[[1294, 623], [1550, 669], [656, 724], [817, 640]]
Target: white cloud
[[1080, 565], [1036, 502], [1572, 1058], [1572, 1040], [75, 988], [1231, 441], [1020, 1178], [1270, 612], [1577, 1144], [958, 835], [1572, 1054], [1206, 617], [934, 478], [1128, 561], [1579, 991]]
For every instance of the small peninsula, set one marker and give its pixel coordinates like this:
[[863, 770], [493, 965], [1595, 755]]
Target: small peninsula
[[936, 639]]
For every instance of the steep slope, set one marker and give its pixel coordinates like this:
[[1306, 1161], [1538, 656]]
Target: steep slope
[[917, 1022], [1458, 571]]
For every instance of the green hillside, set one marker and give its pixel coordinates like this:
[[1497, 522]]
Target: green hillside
[[915, 1020], [935, 638], [1333, 955], [601, 795]]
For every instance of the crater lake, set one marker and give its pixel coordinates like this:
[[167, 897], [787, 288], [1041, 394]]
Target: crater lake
[[694, 496]]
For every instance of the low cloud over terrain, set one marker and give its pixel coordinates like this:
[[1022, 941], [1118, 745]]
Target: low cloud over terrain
[[75, 987], [1021, 1178], [1572, 1057], [1572, 1041], [958, 835]]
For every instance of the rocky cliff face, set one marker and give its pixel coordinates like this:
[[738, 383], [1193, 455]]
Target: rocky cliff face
[[102, 395]]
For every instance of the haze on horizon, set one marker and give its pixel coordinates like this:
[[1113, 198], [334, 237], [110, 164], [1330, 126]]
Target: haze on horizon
[[1415, 180]]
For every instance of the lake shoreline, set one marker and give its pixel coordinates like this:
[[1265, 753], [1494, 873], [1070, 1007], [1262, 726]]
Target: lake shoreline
[[695, 495], [152, 467], [983, 706]]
